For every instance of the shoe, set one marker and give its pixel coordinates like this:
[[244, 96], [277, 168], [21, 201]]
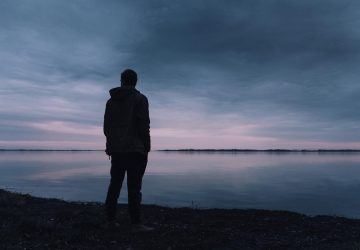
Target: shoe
[[138, 228]]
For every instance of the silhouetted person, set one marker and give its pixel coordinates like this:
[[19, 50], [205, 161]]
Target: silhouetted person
[[127, 131]]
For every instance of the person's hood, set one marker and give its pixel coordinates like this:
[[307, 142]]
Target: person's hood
[[122, 92]]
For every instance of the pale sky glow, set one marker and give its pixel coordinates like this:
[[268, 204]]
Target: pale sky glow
[[67, 128], [245, 74]]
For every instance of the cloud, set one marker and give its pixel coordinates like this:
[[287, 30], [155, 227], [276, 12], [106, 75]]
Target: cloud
[[284, 70]]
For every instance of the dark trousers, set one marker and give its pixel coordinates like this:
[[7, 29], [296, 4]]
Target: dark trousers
[[134, 165]]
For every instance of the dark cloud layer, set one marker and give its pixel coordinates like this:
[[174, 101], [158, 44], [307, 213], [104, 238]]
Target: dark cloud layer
[[294, 53], [289, 68]]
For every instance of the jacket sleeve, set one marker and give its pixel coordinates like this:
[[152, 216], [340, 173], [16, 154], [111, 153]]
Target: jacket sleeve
[[106, 124], [143, 118], [106, 118]]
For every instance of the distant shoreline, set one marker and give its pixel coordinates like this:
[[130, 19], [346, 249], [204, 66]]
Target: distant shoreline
[[77, 150], [262, 150], [203, 150]]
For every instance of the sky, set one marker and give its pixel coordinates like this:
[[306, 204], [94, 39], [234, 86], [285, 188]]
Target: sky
[[218, 74]]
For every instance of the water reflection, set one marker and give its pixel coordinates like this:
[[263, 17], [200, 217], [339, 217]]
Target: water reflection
[[311, 183]]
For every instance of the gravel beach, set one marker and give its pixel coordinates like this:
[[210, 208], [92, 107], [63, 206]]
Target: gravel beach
[[37, 223]]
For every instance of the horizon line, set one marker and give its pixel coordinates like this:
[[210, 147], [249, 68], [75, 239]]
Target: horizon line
[[199, 150]]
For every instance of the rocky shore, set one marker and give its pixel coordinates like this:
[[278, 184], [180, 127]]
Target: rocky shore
[[36, 223]]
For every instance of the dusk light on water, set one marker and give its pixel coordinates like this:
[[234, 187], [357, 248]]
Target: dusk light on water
[[311, 183]]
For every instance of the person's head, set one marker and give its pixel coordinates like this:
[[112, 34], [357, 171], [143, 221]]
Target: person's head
[[128, 78]]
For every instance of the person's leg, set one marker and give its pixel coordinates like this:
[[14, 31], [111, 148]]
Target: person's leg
[[117, 172], [144, 164], [135, 174]]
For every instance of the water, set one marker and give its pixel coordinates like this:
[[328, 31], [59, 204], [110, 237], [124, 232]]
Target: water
[[311, 183]]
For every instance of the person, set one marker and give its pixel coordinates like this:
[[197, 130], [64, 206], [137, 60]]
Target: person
[[127, 131]]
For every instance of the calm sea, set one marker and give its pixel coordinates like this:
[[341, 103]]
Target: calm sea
[[311, 183]]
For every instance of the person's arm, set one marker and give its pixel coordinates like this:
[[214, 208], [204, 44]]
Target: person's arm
[[143, 118], [106, 118], [106, 123]]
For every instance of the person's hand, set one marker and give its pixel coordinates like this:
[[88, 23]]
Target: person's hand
[[108, 154]]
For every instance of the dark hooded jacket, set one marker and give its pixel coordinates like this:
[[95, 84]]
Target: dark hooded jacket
[[126, 121]]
